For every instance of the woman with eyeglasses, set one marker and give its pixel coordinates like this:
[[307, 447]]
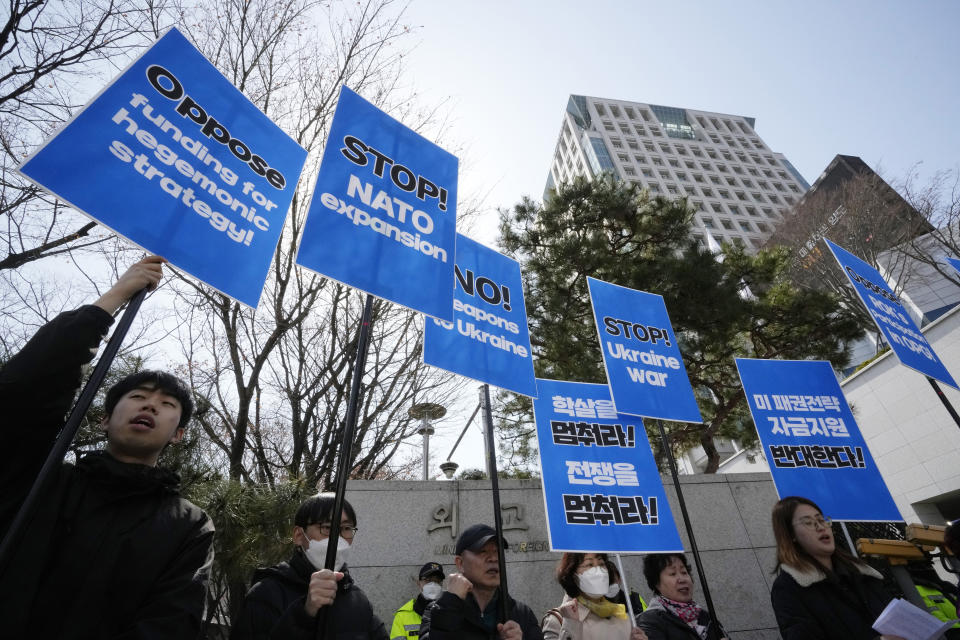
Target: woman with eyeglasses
[[286, 599], [821, 592]]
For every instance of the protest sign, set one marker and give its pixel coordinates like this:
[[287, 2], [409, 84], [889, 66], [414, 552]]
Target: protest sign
[[174, 158], [601, 487], [898, 328], [383, 213], [488, 339], [643, 362], [811, 441]]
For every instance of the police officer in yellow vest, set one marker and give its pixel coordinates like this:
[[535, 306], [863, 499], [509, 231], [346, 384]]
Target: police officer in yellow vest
[[406, 623]]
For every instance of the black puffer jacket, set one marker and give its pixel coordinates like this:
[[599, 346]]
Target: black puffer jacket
[[113, 551], [660, 624], [810, 605], [274, 607], [450, 618]]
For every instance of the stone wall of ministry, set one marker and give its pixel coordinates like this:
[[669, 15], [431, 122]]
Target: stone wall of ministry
[[405, 524]]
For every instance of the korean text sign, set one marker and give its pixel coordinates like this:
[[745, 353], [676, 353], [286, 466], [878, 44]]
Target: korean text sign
[[898, 328], [383, 213], [488, 339], [601, 486], [811, 441], [173, 157], [644, 365]]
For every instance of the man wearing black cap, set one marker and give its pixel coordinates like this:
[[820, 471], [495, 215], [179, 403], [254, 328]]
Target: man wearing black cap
[[406, 622], [467, 610]]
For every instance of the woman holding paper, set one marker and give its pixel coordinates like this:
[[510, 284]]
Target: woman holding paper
[[586, 613], [672, 614], [821, 592]]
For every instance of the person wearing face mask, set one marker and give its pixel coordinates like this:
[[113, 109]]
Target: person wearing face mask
[[285, 599], [821, 592], [586, 612], [406, 622], [672, 613]]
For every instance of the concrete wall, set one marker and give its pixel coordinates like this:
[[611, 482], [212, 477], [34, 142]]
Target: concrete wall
[[405, 524], [913, 439]]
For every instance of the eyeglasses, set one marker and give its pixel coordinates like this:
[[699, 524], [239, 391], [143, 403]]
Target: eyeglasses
[[814, 523], [346, 530]]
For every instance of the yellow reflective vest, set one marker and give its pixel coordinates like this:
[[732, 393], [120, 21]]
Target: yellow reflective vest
[[937, 604], [406, 623]]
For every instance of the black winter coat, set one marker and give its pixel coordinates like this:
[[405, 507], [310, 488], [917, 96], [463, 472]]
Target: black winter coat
[[450, 618], [810, 605], [274, 607], [660, 624], [113, 551]]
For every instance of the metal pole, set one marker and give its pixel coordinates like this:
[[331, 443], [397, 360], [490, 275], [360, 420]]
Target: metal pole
[[502, 601], [486, 420], [626, 589], [59, 450], [846, 533], [464, 432], [426, 451], [943, 399], [346, 448], [686, 522]]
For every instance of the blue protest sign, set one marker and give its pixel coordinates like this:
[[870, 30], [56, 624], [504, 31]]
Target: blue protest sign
[[173, 157], [601, 487], [811, 441], [898, 328], [488, 339], [955, 263], [384, 209], [643, 362]]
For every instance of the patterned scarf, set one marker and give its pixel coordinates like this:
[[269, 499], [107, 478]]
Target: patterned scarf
[[689, 612], [604, 608]]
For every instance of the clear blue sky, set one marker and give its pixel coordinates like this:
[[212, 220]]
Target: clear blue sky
[[876, 79]]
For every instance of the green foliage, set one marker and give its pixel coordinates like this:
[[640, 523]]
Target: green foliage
[[721, 307]]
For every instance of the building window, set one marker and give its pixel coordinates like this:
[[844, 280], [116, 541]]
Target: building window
[[716, 207], [744, 225], [735, 210], [726, 224], [708, 223]]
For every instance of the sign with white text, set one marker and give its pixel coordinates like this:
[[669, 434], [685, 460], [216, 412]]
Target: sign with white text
[[601, 487], [174, 158], [488, 339], [383, 214], [811, 441], [644, 365], [898, 328]]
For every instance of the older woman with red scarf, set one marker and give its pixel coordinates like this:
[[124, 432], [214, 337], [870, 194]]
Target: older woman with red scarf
[[672, 614]]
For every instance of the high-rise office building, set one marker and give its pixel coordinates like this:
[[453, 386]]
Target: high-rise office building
[[738, 186]]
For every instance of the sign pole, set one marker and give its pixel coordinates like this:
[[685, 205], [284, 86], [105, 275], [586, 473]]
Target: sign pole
[[346, 447], [846, 533], [59, 450], [502, 601], [626, 590], [943, 399], [686, 523]]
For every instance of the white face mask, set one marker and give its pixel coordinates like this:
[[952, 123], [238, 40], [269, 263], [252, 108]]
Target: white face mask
[[317, 553], [594, 581], [613, 590], [431, 591]]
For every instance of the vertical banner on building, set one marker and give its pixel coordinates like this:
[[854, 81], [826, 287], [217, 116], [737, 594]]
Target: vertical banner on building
[[174, 158], [811, 441], [601, 487], [643, 362], [896, 325], [955, 263], [488, 339], [383, 213]]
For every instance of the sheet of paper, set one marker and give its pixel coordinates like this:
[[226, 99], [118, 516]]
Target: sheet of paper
[[901, 618]]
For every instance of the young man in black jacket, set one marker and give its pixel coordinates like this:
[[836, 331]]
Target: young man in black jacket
[[467, 610], [112, 550], [285, 599]]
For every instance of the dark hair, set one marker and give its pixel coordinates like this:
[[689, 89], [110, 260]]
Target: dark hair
[[567, 571], [788, 551], [655, 563], [951, 537], [153, 380], [319, 508]]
